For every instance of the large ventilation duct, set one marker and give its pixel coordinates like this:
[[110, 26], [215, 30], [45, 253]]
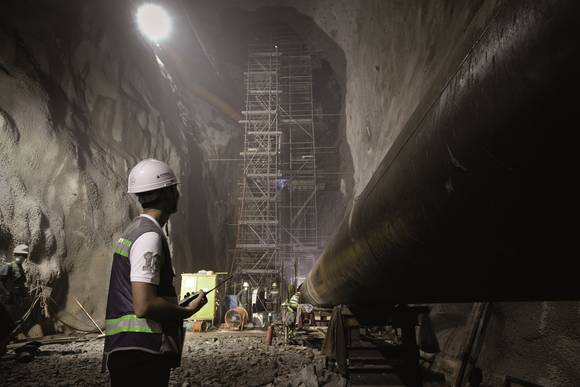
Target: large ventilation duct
[[474, 200]]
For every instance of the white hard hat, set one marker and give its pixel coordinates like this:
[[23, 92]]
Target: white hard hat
[[21, 249], [149, 175]]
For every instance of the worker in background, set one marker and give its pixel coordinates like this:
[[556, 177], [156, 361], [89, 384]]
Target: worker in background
[[12, 294], [13, 283], [244, 296], [295, 300], [289, 308], [144, 323]]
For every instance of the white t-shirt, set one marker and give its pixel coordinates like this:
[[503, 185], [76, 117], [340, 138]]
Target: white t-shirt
[[145, 256]]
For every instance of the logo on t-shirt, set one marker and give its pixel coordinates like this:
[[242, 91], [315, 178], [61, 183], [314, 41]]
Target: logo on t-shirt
[[151, 262]]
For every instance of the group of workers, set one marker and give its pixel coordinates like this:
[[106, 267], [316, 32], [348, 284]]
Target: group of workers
[[258, 299]]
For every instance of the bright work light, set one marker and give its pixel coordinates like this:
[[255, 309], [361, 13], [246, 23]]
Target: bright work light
[[153, 22]]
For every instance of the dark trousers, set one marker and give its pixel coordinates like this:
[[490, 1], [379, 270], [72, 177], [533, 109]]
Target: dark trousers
[[138, 368], [6, 327]]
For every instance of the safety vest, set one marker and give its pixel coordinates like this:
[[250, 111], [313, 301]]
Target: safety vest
[[123, 329], [294, 300]]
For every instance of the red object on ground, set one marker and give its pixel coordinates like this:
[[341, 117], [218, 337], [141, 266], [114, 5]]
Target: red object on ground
[[269, 335]]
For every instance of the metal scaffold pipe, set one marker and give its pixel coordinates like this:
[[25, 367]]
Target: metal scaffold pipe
[[472, 201]]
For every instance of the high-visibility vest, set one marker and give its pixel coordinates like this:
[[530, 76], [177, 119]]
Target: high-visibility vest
[[123, 329], [295, 300]]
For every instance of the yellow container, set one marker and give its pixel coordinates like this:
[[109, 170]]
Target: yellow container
[[192, 282]]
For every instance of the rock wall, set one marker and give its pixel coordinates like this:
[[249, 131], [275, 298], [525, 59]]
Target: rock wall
[[537, 342], [398, 55], [83, 97]]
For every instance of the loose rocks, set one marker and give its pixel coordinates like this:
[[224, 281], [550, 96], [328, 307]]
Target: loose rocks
[[209, 359]]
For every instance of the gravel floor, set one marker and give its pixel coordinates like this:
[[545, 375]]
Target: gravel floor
[[209, 359]]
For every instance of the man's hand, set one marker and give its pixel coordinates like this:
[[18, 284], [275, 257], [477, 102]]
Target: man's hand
[[198, 302]]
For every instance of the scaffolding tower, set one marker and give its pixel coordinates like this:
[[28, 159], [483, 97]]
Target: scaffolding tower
[[258, 234], [298, 206], [277, 228]]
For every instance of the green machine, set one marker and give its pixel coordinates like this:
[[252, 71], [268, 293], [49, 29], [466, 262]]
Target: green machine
[[202, 280]]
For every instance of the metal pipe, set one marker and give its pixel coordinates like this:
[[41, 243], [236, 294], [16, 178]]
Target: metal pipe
[[473, 200]]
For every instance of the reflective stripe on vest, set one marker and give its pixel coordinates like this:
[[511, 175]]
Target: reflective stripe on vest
[[123, 246], [294, 301], [131, 323]]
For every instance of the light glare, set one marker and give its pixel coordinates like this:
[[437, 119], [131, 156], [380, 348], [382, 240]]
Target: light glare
[[153, 22]]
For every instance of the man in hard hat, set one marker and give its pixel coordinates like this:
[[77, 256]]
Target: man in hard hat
[[144, 323], [244, 296], [12, 293]]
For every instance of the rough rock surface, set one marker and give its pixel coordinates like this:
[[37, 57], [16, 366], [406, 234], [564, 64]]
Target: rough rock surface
[[398, 54], [533, 341], [83, 98], [209, 359]]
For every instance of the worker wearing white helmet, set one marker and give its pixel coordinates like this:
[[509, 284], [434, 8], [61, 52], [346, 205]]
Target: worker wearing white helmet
[[21, 251], [144, 323]]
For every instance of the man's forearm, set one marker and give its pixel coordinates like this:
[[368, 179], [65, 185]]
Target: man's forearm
[[160, 309]]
